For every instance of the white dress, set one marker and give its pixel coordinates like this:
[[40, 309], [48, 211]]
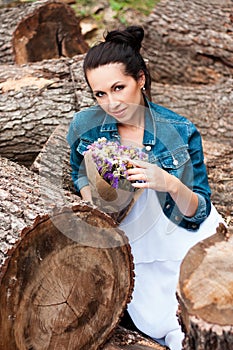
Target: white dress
[[158, 247]]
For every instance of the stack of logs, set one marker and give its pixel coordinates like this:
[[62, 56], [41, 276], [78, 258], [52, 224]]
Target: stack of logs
[[47, 232]]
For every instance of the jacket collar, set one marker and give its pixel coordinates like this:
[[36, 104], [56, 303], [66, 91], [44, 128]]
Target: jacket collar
[[110, 124]]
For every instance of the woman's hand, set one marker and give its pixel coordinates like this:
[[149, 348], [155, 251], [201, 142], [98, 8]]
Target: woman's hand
[[147, 175]]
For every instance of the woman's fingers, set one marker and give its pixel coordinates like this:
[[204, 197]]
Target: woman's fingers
[[138, 164]]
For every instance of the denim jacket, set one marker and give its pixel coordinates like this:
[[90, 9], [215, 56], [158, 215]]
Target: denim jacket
[[171, 141]]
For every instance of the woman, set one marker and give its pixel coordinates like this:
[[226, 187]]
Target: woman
[[174, 211]]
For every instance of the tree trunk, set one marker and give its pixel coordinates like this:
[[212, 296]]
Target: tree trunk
[[124, 339], [190, 42], [40, 30], [218, 159], [37, 97], [66, 283], [53, 161], [205, 293], [25, 195], [209, 107]]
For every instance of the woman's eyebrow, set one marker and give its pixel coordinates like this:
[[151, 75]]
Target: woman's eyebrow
[[112, 87], [117, 82]]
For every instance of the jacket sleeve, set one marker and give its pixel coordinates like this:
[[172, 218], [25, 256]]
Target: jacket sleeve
[[77, 163], [200, 177]]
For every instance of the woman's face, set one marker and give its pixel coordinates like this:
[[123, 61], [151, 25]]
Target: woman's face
[[117, 93]]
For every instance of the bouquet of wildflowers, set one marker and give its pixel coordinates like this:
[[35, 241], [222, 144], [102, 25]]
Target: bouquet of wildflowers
[[113, 160], [107, 163]]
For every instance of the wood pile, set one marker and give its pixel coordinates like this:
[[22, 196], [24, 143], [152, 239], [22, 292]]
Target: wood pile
[[205, 293], [189, 50], [190, 42], [39, 30]]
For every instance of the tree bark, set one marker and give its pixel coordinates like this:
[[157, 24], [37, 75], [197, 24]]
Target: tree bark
[[25, 195], [66, 283], [125, 339], [37, 97], [209, 107], [40, 30], [190, 42], [53, 163], [205, 293]]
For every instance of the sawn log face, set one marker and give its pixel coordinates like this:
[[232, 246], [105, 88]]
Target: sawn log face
[[205, 293], [66, 283]]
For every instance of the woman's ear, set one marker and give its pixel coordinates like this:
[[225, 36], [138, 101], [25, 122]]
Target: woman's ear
[[141, 79]]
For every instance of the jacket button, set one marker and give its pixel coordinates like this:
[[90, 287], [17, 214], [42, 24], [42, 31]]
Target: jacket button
[[175, 162], [168, 206], [177, 218], [148, 148], [194, 226]]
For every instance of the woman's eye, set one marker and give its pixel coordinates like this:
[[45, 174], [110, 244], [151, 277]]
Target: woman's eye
[[99, 94], [119, 87]]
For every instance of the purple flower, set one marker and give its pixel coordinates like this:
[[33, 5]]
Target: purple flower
[[111, 159]]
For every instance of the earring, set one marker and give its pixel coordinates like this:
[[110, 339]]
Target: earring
[[143, 89]]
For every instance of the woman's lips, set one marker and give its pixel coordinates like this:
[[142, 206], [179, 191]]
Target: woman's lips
[[118, 114]]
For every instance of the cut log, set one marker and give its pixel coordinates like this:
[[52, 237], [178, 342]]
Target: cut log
[[190, 42], [125, 339], [53, 163], [205, 293], [40, 30], [37, 97], [66, 283], [24, 195], [209, 107], [218, 158]]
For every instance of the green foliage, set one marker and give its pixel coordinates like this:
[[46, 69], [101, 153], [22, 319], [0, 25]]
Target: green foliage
[[144, 6], [84, 7]]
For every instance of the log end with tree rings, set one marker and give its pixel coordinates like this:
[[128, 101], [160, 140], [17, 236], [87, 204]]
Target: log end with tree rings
[[205, 293], [50, 30], [66, 282]]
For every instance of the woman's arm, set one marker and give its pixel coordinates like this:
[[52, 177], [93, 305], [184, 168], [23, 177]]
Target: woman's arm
[[185, 199], [86, 193], [77, 163], [160, 180], [191, 193]]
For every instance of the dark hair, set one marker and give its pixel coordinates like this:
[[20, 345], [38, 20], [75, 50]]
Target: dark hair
[[120, 46]]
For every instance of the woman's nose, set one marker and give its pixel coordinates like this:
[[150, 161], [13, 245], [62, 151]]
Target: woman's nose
[[112, 102]]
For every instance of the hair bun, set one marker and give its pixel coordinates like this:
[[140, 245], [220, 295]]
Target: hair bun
[[131, 36]]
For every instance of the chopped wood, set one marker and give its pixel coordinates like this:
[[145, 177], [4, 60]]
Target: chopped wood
[[37, 97], [205, 293], [40, 30], [125, 339], [66, 283], [23, 196], [190, 42]]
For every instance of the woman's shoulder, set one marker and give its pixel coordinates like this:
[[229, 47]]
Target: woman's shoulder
[[84, 121], [88, 113], [164, 114]]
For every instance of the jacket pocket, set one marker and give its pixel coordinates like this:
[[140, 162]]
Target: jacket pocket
[[83, 145], [175, 161]]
